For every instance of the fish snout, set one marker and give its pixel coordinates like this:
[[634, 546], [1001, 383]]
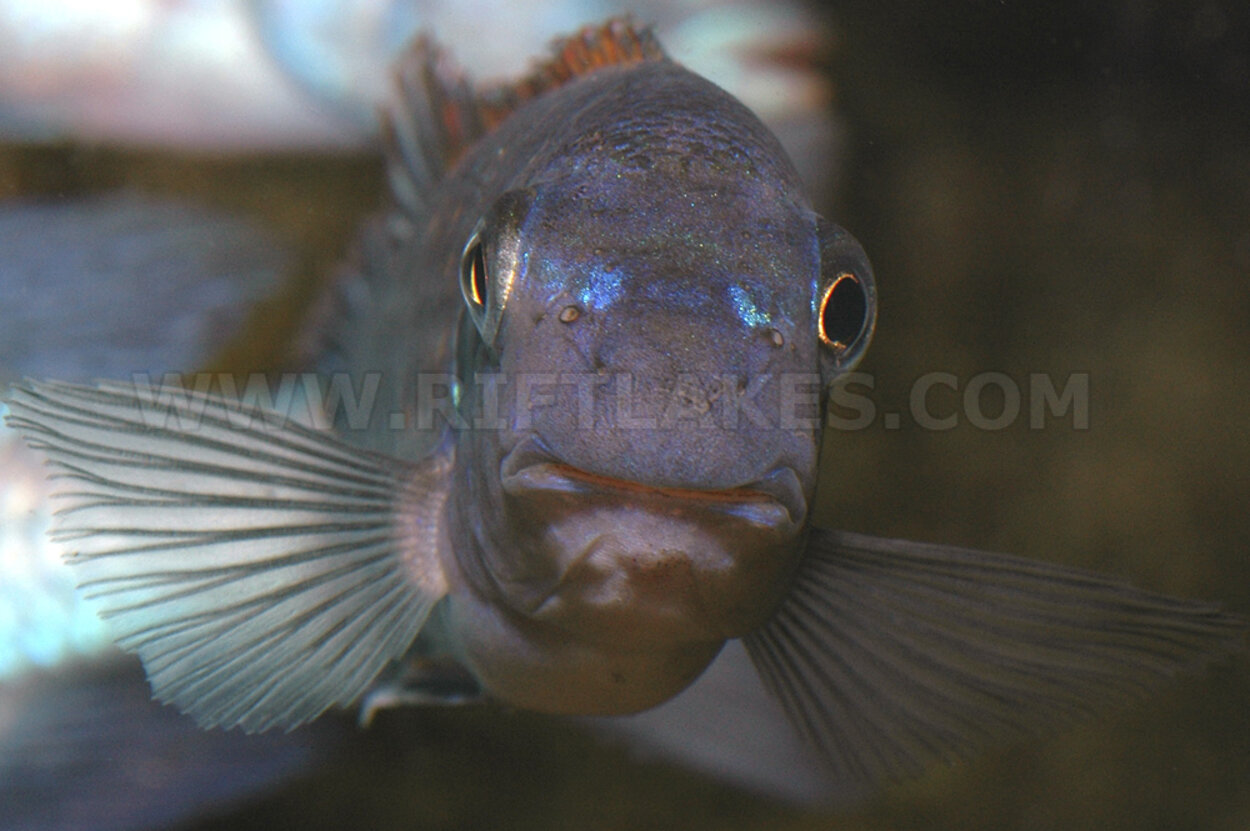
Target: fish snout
[[697, 431], [692, 400]]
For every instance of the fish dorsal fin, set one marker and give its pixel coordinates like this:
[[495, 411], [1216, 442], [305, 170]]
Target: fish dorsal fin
[[433, 118], [618, 42], [437, 114]]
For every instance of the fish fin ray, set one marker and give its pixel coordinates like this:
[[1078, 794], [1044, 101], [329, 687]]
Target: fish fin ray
[[433, 118], [888, 655], [262, 571], [437, 114], [617, 42]]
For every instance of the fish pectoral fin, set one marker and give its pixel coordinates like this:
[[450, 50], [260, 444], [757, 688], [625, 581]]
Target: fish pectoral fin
[[261, 570], [888, 655]]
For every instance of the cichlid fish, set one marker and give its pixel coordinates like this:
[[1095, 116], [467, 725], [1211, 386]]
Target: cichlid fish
[[596, 333]]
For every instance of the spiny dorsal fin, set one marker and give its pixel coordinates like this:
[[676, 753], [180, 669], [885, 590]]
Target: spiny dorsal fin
[[437, 114], [617, 42], [434, 118]]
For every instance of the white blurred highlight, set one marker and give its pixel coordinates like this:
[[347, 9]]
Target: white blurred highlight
[[263, 75]]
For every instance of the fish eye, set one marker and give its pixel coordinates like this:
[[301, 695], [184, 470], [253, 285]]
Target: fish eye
[[473, 280], [492, 261], [843, 314], [845, 303]]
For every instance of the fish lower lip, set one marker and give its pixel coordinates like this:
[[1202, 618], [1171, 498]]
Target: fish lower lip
[[774, 499]]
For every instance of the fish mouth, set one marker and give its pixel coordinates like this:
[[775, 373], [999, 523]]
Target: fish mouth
[[775, 499]]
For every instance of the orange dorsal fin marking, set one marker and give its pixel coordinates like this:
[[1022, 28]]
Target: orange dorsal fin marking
[[615, 43], [437, 115]]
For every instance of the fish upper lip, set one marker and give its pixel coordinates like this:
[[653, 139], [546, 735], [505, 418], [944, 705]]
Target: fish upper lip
[[776, 498]]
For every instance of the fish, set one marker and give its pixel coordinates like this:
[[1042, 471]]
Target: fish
[[577, 388]]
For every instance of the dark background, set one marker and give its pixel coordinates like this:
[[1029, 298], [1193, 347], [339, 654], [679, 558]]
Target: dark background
[[1043, 188]]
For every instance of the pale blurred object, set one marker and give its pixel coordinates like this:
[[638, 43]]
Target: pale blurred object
[[240, 75], [102, 287], [188, 74], [43, 621], [726, 725], [342, 49]]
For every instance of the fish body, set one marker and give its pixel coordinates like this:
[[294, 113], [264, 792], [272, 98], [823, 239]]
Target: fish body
[[616, 300], [601, 322]]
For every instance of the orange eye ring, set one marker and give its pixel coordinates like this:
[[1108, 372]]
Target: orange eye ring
[[474, 275], [843, 312]]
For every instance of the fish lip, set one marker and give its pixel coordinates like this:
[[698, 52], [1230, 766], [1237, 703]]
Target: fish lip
[[776, 499]]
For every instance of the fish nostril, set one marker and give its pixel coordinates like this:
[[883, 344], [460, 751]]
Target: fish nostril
[[715, 388], [689, 396]]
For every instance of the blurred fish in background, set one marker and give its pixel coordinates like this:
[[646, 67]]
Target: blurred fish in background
[[42, 621]]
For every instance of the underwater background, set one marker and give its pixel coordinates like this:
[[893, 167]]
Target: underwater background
[[1044, 191]]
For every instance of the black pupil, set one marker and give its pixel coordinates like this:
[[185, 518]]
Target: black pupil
[[843, 313], [478, 275]]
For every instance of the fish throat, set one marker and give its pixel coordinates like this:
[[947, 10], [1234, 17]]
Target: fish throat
[[590, 593]]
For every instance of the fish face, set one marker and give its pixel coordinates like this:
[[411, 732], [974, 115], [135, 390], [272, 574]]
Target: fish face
[[652, 341], [681, 335]]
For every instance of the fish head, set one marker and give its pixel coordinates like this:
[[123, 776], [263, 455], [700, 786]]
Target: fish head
[[653, 338], [646, 350]]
